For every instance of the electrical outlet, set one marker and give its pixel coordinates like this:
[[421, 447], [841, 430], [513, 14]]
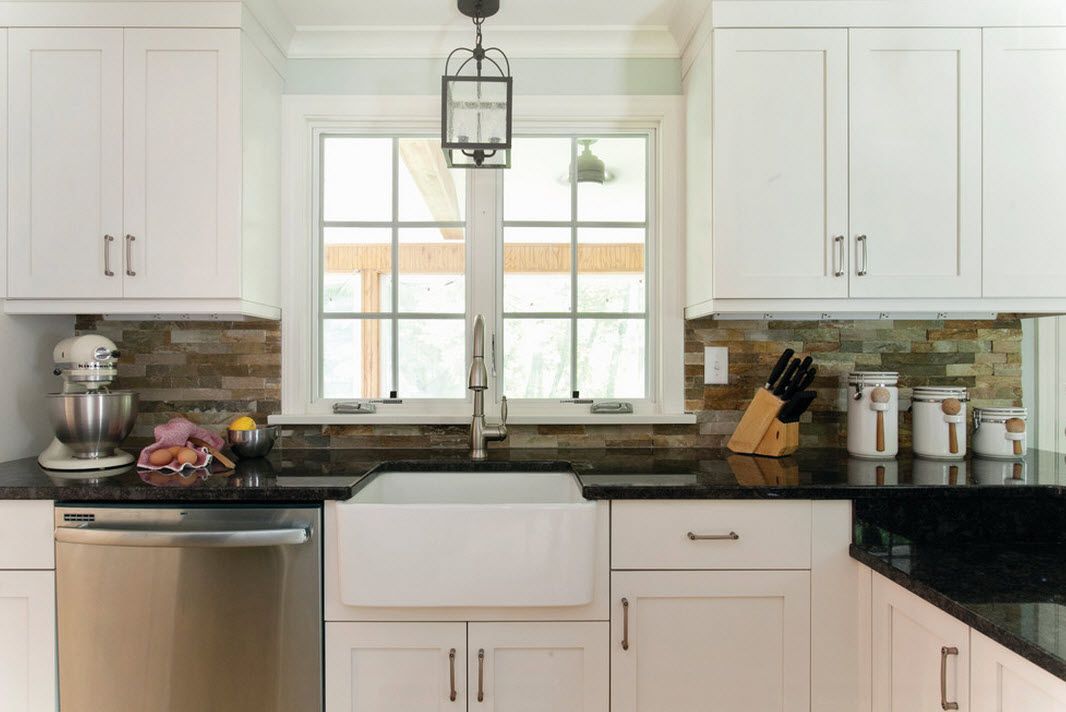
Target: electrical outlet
[[716, 365]]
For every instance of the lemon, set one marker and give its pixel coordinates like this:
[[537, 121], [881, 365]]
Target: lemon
[[242, 423]]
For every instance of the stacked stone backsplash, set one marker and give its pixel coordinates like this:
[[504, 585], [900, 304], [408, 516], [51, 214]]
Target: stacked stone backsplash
[[210, 372], [213, 371]]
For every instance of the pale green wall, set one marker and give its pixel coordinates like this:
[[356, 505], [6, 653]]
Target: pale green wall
[[532, 76]]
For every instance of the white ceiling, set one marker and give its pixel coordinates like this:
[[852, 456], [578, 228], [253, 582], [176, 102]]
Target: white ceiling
[[513, 13]]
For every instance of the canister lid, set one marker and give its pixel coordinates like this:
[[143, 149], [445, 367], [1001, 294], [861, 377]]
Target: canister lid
[[999, 415], [873, 378], [938, 394]]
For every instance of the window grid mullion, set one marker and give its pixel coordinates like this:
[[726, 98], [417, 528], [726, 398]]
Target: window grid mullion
[[395, 286], [573, 266]]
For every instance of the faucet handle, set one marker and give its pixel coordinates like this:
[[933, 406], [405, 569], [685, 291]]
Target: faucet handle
[[503, 409]]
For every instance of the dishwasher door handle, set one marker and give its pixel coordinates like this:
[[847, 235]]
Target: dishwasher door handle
[[222, 538]]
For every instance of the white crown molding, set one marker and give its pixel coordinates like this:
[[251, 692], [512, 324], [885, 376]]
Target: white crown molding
[[418, 42], [121, 14], [273, 22], [686, 20], [889, 13]]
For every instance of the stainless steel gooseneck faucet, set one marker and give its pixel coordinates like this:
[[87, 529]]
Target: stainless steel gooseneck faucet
[[480, 433]]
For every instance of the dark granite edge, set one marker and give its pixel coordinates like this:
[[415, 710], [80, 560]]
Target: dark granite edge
[[826, 491], [1030, 651], [176, 495]]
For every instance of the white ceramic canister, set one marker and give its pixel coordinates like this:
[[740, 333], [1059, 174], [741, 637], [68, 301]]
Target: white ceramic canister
[[992, 436], [864, 412], [938, 472], [988, 471], [933, 426]]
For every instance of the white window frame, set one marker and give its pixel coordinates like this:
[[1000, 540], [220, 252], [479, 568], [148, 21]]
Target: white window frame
[[308, 116]]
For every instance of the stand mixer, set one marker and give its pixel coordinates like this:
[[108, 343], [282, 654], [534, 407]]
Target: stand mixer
[[89, 419]]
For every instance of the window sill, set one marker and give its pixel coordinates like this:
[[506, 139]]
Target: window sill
[[575, 419]]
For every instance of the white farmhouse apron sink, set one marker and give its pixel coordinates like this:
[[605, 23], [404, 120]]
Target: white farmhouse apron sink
[[467, 539]]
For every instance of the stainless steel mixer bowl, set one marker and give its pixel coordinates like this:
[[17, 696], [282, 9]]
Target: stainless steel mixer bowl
[[92, 424]]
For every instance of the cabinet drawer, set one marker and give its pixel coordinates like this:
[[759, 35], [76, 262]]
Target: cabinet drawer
[[710, 535], [26, 535]]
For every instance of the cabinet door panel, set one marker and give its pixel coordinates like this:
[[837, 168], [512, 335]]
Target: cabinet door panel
[[915, 156], [27, 641], [1025, 162], [64, 162], [395, 667], [701, 640], [908, 637], [1002, 681], [183, 162], [532, 667], [780, 163]]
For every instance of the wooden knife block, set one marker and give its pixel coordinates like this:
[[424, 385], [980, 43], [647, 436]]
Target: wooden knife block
[[761, 433]]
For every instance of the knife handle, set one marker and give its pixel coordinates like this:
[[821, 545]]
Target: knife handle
[[782, 385], [801, 382], [779, 367]]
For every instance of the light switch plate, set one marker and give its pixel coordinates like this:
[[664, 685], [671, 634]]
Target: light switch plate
[[716, 365]]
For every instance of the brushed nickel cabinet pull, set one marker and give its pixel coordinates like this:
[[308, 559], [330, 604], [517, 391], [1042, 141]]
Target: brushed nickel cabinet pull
[[108, 239], [860, 242], [625, 624], [944, 653], [451, 671], [481, 675], [731, 536], [129, 256], [838, 254]]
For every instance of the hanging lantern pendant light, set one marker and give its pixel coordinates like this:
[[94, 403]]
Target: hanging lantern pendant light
[[476, 93]]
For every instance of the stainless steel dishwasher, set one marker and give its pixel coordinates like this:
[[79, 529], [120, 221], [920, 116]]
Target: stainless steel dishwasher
[[189, 609]]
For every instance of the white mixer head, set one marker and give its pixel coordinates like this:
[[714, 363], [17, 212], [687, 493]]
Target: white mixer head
[[90, 361]]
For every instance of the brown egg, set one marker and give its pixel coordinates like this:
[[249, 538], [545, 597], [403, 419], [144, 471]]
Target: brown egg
[[175, 450], [161, 457], [187, 456]]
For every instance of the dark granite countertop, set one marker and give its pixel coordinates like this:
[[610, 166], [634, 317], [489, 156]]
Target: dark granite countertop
[[1011, 590], [668, 473]]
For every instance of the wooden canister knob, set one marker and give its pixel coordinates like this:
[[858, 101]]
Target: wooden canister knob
[[1016, 425], [879, 397], [952, 406]]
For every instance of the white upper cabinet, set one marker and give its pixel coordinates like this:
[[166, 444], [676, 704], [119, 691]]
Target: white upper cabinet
[[145, 172], [780, 163], [1024, 162], [915, 158], [182, 163], [65, 163]]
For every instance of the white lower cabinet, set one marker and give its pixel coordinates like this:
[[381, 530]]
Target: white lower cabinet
[[691, 641], [27, 641], [395, 667], [539, 667], [921, 655], [1002, 681], [500, 667]]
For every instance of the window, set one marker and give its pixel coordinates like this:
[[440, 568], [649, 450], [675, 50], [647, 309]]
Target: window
[[393, 276], [390, 255], [574, 278]]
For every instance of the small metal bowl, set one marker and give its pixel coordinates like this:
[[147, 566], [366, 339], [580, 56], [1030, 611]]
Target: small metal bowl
[[252, 443]]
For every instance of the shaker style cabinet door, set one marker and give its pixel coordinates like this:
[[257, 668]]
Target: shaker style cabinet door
[[182, 163], [915, 157], [780, 180], [64, 163], [395, 667], [1024, 162], [532, 667], [27, 641], [1002, 681], [692, 641], [921, 655]]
